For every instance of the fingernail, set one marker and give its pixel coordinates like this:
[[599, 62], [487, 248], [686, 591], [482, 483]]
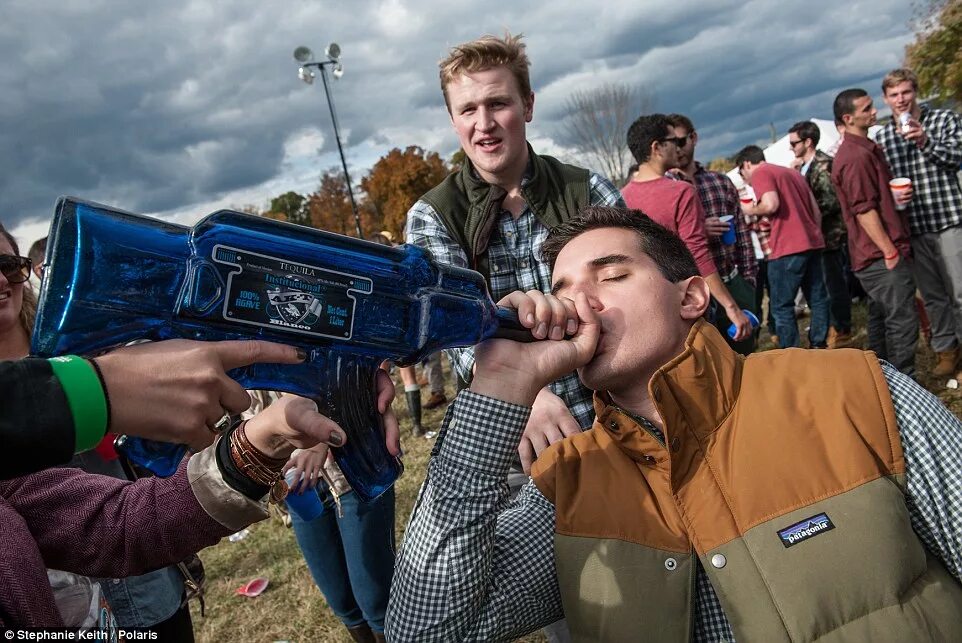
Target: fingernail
[[557, 332], [572, 326], [541, 330], [530, 318], [335, 439], [301, 354]]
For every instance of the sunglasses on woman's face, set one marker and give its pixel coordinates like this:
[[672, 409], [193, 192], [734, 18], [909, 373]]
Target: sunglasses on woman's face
[[15, 269]]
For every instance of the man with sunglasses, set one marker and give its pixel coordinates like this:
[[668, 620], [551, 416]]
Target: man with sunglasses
[[736, 262], [675, 204], [796, 243], [816, 167]]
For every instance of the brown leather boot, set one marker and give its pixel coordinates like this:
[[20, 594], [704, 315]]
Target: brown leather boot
[[437, 399], [947, 362], [379, 637], [363, 634]]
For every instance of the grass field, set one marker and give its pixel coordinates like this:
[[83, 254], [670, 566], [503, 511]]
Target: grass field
[[292, 609]]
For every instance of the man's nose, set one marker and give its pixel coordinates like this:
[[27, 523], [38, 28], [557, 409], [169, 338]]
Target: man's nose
[[589, 293], [485, 121]]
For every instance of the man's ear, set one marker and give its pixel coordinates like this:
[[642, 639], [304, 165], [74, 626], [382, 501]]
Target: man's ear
[[529, 108], [695, 297]]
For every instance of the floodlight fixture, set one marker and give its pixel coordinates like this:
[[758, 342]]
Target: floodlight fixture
[[303, 54], [305, 72], [306, 75]]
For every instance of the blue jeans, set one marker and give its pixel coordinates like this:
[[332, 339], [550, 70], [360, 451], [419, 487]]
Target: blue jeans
[[785, 276], [351, 558]]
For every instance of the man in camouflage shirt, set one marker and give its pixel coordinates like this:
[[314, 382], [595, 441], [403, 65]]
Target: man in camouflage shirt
[[816, 166]]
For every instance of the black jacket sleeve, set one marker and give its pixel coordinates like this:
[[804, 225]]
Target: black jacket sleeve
[[36, 426]]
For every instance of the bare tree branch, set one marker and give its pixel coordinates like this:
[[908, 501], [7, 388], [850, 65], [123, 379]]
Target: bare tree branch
[[596, 122]]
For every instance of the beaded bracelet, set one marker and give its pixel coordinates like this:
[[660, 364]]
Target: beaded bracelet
[[256, 465]]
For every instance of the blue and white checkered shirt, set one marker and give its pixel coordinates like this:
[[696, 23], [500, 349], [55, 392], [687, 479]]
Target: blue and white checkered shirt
[[514, 257], [476, 567], [937, 200]]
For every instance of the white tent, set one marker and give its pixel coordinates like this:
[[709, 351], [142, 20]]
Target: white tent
[[779, 153]]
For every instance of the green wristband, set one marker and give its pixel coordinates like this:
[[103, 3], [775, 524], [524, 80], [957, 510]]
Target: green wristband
[[85, 396]]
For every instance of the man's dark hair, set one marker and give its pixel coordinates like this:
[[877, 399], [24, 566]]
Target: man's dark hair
[[680, 120], [37, 251], [806, 130], [749, 154], [665, 248], [845, 102], [643, 132]]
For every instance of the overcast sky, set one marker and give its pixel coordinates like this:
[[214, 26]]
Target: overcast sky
[[178, 108]]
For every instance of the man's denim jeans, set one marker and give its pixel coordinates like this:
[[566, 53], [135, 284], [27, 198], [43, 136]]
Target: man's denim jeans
[[351, 558], [785, 276]]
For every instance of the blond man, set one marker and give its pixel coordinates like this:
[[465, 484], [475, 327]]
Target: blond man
[[925, 145], [493, 214]]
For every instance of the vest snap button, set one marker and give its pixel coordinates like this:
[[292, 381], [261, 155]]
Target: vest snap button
[[613, 425], [718, 561], [671, 564], [649, 459]]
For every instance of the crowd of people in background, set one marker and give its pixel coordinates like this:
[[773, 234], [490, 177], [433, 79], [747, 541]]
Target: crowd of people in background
[[879, 217]]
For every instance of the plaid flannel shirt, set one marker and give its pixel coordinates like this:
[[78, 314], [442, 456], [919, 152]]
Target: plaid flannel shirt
[[475, 567], [937, 202], [514, 255], [719, 197]]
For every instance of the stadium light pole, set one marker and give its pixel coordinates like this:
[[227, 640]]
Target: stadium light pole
[[305, 57]]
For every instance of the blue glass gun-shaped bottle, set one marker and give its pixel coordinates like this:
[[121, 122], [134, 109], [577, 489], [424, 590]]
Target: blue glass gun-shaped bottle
[[112, 277]]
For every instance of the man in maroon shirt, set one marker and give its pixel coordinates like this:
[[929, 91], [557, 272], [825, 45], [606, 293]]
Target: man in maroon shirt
[[878, 234], [735, 262], [675, 204], [796, 242]]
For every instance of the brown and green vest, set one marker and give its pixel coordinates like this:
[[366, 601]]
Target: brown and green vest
[[469, 207], [782, 473]]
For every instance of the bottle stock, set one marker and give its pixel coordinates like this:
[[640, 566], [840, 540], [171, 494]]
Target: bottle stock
[[113, 277]]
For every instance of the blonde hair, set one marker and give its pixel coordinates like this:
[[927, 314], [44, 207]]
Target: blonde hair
[[897, 76], [487, 52]]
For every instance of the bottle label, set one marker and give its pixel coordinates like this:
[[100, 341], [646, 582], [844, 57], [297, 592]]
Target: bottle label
[[278, 293]]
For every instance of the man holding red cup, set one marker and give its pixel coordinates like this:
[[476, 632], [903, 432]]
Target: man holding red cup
[[923, 147]]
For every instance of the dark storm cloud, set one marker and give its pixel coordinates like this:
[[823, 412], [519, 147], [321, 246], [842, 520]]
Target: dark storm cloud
[[154, 107]]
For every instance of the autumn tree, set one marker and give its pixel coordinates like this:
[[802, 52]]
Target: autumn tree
[[457, 160], [292, 206], [721, 164], [936, 54], [247, 208], [329, 208], [399, 179], [596, 122]]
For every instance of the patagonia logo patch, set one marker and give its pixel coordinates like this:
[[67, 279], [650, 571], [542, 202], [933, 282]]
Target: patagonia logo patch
[[808, 528]]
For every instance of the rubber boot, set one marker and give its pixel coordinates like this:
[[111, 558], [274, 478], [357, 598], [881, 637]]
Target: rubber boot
[[414, 408]]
